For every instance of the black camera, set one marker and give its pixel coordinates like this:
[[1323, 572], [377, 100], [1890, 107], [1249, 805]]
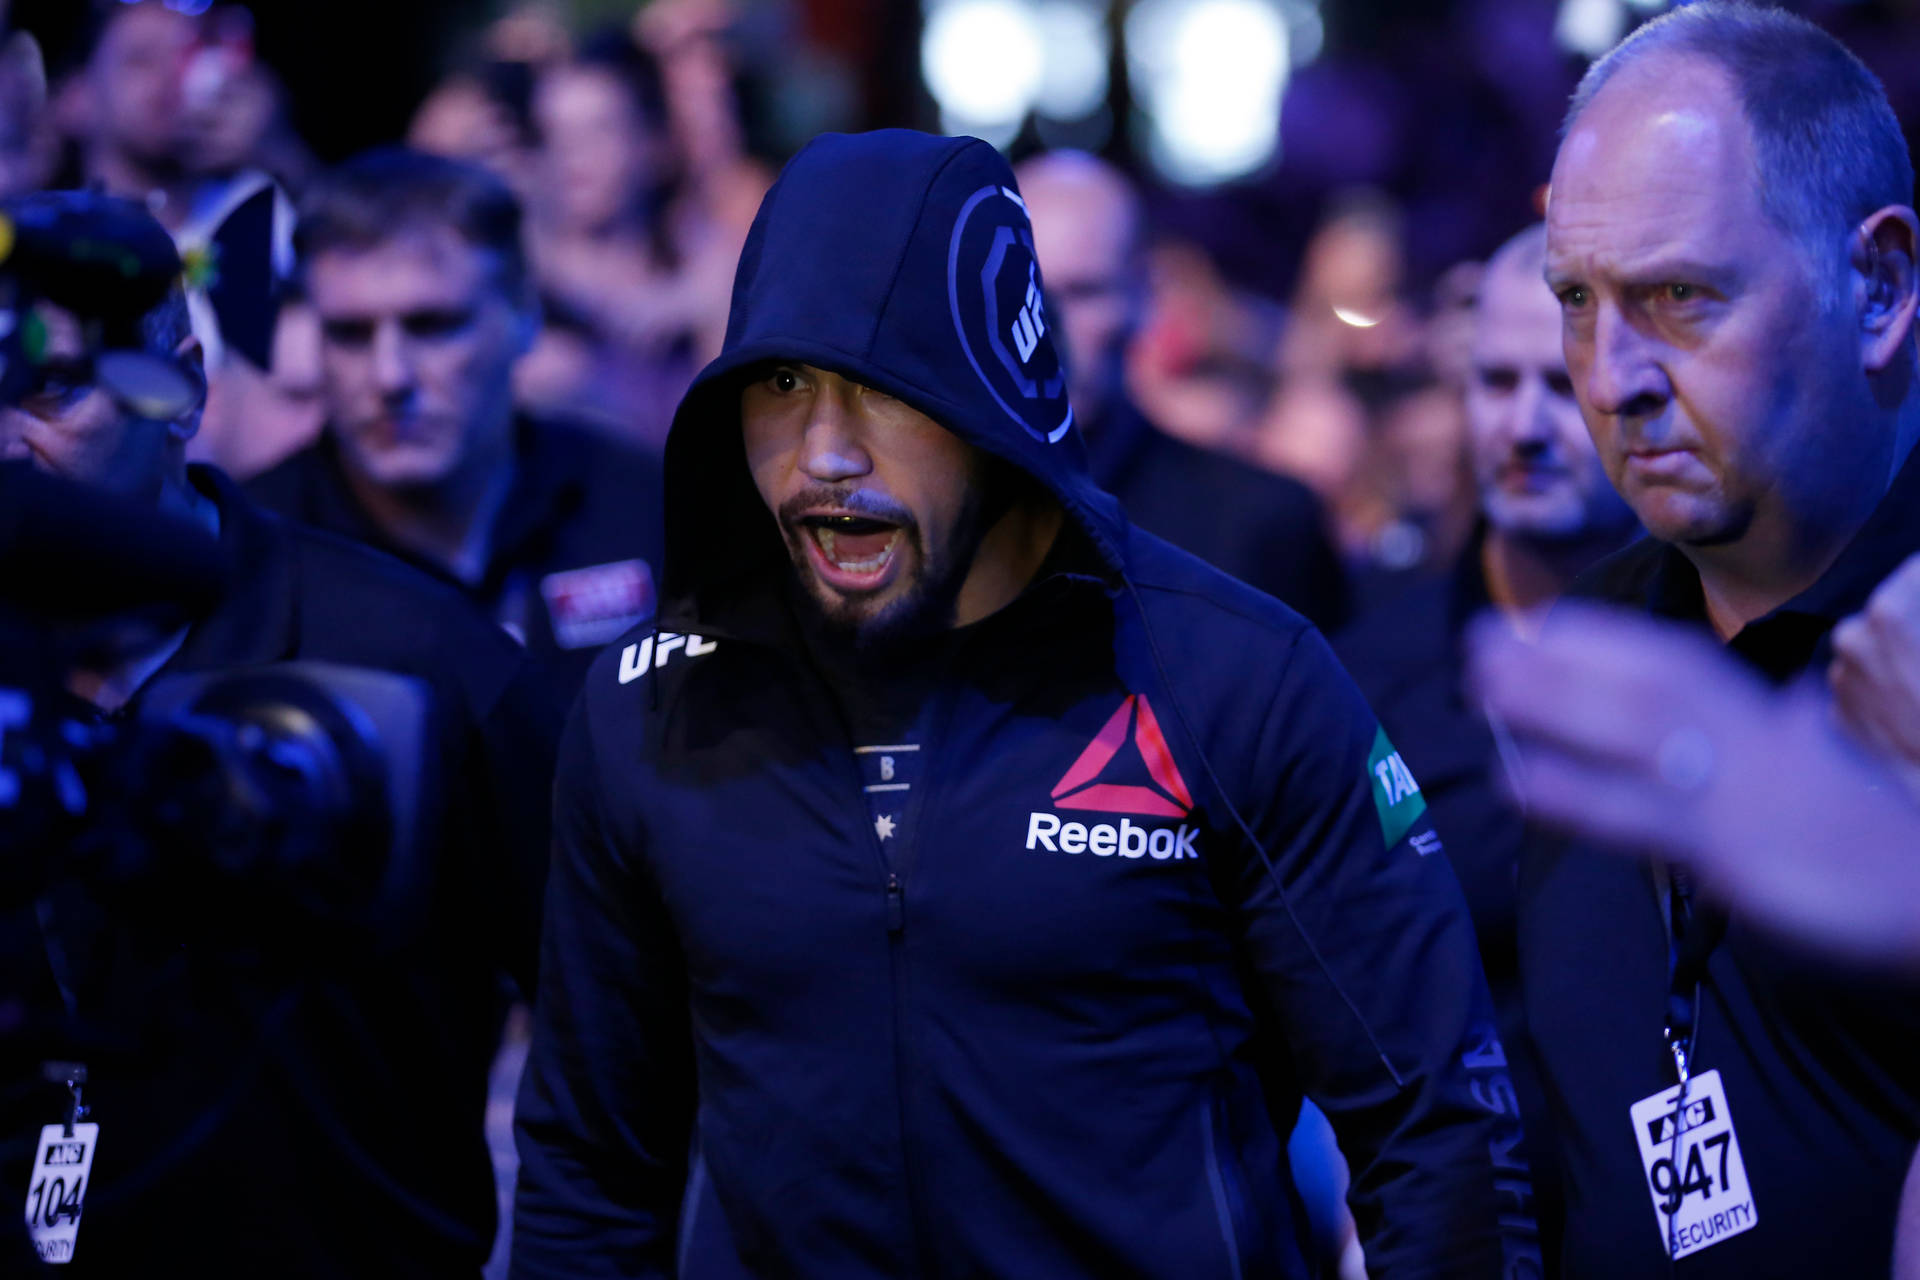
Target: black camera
[[271, 795]]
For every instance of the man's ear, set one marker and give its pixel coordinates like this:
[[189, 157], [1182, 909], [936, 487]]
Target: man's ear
[[193, 362], [1884, 253]]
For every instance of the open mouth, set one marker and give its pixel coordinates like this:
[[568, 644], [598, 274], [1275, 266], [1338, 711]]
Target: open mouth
[[853, 552]]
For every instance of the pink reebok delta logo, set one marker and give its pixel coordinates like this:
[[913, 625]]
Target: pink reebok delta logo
[[1080, 787]]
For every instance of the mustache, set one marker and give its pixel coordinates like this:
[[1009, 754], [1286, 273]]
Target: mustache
[[846, 498]]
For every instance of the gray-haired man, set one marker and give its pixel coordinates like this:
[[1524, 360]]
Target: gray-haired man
[[1732, 245]]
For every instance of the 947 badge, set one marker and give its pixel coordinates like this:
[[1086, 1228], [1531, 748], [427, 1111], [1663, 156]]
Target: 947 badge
[[1692, 1160], [57, 1190]]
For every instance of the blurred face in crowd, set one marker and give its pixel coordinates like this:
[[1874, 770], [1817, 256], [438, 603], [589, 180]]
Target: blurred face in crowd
[[1536, 469], [71, 428], [1715, 358], [459, 119], [879, 504], [134, 80], [418, 338], [1086, 233], [601, 153]]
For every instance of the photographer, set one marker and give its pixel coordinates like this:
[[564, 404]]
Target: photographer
[[276, 1096]]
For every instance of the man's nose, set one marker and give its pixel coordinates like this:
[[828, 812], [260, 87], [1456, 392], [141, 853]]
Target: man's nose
[[833, 448], [1531, 426], [392, 362], [1625, 378]]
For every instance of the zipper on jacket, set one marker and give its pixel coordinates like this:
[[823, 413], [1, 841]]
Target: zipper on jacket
[[898, 868]]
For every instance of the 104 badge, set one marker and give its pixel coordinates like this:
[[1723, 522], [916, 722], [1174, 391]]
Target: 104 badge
[[57, 1189]]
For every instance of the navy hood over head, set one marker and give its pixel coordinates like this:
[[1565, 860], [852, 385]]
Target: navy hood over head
[[1156, 874], [854, 265]]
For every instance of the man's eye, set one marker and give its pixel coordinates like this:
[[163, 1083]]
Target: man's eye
[[1499, 379], [59, 386], [1681, 293], [347, 333], [437, 324], [783, 380], [1574, 296]]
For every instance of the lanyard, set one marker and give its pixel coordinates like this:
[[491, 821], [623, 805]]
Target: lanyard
[[1694, 937]]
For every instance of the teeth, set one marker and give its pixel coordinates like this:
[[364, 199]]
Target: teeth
[[871, 564]]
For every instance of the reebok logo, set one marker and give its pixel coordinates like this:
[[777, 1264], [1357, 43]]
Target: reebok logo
[[1081, 787], [1103, 840]]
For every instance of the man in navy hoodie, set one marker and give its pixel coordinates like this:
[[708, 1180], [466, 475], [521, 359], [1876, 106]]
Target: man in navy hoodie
[[960, 881]]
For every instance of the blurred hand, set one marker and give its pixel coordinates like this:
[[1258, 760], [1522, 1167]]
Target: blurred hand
[[1653, 740], [1876, 672]]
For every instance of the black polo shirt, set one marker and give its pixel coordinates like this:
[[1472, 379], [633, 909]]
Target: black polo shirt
[[1267, 530], [571, 561], [1820, 1065], [314, 1110]]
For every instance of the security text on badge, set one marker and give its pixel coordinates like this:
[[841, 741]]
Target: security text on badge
[[57, 1190], [1691, 1156]]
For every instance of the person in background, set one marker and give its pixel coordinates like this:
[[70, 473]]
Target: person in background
[[1411, 506], [697, 43], [258, 1039], [126, 107], [1546, 513], [1269, 531], [27, 139], [483, 115], [1731, 239], [234, 117], [257, 418], [1348, 314], [645, 276], [413, 266]]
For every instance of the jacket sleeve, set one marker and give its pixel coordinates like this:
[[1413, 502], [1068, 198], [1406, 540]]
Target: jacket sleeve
[[606, 1104], [1369, 964]]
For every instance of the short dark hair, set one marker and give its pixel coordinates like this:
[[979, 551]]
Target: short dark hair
[[381, 193], [1827, 146]]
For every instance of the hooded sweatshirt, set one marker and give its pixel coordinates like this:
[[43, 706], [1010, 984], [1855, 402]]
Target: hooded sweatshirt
[[1158, 871]]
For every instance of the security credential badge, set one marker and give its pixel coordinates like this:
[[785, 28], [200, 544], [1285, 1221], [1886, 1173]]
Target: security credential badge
[[63, 1161], [1691, 1156]]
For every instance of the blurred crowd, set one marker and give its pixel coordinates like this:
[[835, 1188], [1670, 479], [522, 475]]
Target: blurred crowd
[[627, 150]]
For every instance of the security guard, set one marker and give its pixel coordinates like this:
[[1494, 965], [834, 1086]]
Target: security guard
[[414, 264], [1733, 243]]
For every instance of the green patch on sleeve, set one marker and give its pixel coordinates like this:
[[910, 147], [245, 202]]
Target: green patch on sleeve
[[1396, 796]]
